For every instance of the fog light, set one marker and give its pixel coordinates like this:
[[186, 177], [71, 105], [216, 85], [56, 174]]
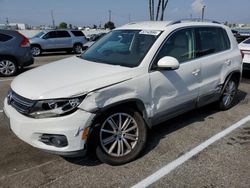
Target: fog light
[[54, 140]]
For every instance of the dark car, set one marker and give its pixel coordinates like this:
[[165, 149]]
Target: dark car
[[14, 52]]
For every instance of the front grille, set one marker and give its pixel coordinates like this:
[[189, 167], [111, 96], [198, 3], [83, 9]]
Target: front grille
[[20, 103]]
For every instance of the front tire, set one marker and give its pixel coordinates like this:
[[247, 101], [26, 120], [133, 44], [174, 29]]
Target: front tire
[[122, 136], [228, 95], [36, 50], [8, 67]]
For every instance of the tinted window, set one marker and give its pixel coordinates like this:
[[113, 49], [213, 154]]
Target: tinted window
[[62, 34], [51, 34], [212, 40], [77, 33], [4, 38], [180, 45], [247, 41]]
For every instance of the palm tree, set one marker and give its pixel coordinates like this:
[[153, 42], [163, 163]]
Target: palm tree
[[162, 4]]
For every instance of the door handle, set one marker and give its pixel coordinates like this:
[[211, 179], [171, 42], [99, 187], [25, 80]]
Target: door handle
[[228, 62], [196, 72]]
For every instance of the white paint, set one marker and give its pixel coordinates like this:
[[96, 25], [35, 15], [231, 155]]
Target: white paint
[[179, 161]]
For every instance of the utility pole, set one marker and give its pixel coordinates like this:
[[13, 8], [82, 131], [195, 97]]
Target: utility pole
[[52, 17], [7, 21], [129, 18], [203, 12], [109, 15]]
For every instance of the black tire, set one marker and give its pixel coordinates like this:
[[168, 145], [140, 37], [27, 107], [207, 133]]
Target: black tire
[[36, 50], [229, 93], [8, 66], [77, 48], [137, 135]]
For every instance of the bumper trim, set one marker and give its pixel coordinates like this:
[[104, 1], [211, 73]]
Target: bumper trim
[[79, 153]]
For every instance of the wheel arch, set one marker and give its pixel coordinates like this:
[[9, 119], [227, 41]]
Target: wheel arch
[[234, 74], [36, 44], [9, 56], [76, 43], [134, 103]]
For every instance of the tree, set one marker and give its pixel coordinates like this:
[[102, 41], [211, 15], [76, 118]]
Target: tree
[[63, 25], [94, 26], [109, 25], [70, 26], [161, 7]]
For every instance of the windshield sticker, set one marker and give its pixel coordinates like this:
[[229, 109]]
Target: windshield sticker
[[150, 32]]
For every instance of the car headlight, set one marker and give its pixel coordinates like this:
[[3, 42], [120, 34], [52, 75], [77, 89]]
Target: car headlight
[[55, 108]]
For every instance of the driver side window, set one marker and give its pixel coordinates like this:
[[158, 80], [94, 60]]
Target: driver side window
[[180, 45], [49, 35]]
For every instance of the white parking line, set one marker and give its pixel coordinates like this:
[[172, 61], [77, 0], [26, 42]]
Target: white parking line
[[179, 161], [5, 80]]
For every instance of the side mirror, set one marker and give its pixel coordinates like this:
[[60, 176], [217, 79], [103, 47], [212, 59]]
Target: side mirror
[[168, 63]]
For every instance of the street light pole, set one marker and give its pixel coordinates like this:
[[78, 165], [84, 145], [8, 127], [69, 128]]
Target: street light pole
[[203, 12]]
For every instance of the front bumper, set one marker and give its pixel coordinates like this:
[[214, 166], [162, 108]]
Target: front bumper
[[30, 130]]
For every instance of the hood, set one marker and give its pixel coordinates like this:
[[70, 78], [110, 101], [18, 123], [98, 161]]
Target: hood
[[68, 77]]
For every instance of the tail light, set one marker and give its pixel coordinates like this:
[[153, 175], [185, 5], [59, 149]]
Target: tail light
[[25, 42], [242, 54]]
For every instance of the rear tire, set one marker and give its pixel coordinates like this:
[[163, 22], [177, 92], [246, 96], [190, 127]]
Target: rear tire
[[77, 48], [8, 67], [121, 136], [228, 95]]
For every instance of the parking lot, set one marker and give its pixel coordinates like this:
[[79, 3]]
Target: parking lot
[[224, 163]]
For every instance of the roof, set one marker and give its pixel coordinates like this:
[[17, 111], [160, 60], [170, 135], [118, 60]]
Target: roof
[[163, 25]]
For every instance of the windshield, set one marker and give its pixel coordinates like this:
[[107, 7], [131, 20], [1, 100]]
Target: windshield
[[122, 47], [38, 35]]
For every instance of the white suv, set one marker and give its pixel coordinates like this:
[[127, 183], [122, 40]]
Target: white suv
[[135, 77]]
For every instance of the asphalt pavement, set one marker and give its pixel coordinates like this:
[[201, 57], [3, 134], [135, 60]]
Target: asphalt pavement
[[224, 163]]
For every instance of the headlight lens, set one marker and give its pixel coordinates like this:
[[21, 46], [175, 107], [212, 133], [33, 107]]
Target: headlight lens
[[55, 108]]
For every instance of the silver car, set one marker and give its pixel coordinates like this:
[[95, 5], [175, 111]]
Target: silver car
[[57, 40]]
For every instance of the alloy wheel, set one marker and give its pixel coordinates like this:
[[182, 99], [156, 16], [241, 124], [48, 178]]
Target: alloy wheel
[[119, 134], [7, 67], [35, 51], [78, 49], [229, 93]]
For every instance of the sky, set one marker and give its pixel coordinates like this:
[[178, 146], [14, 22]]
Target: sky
[[89, 12]]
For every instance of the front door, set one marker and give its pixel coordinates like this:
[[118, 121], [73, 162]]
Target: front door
[[175, 91]]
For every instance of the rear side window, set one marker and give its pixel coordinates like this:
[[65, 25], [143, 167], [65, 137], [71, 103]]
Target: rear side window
[[212, 40], [62, 34], [247, 41], [78, 33], [4, 38]]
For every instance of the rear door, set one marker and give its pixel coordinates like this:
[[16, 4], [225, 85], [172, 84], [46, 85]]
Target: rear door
[[214, 46]]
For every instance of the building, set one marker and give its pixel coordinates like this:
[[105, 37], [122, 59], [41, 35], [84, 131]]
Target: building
[[19, 26]]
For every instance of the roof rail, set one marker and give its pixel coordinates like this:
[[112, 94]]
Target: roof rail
[[193, 20]]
